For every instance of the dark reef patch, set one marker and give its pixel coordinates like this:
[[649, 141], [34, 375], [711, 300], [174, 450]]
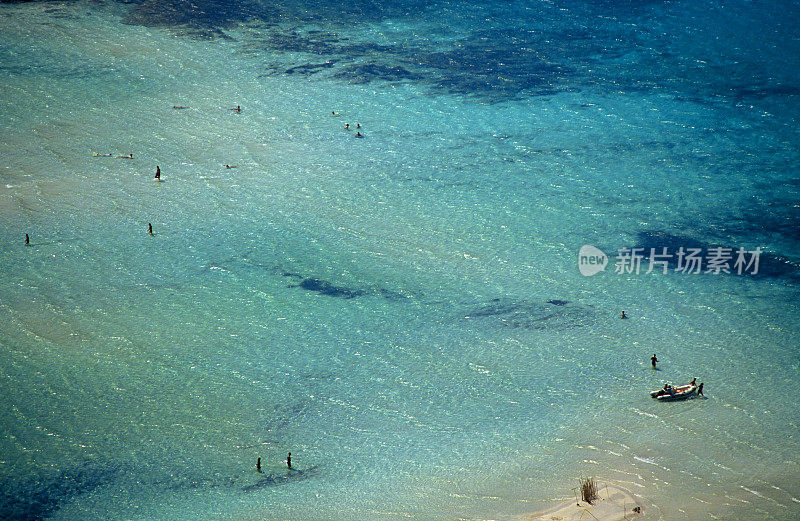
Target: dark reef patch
[[310, 68], [770, 265], [225, 13], [329, 289], [489, 51], [476, 57], [496, 64], [503, 63], [39, 497], [204, 14], [535, 315], [275, 480], [776, 211], [369, 72], [309, 42], [762, 91], [323, 287]]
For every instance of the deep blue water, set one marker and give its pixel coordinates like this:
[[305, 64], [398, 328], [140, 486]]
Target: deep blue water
[[402, 312]]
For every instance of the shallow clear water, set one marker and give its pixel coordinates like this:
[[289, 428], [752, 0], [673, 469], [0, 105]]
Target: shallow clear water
[[402, 312]]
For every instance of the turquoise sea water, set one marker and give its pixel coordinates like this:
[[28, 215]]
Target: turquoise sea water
[[403, 312]]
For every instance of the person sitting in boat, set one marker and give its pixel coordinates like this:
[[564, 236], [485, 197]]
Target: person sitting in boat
[[693, 382]]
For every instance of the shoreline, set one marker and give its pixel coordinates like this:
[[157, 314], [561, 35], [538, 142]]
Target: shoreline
[[614, 503]]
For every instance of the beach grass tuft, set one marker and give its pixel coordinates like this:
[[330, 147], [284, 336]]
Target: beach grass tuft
[[588, 490]]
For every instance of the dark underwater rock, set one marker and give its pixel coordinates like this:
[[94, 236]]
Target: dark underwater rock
[[38, 497], [770, 265], [531, 314]]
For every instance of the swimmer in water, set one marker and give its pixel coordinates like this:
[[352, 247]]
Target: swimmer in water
[[237, 109], [358, 134], [347, 126], [129, 156], [101, 155], [231, 166], [179, 107]]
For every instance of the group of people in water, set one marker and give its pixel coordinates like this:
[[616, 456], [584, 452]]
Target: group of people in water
[[288, 463], [347, 125], [237, 109], [358, 127], [670, 389]]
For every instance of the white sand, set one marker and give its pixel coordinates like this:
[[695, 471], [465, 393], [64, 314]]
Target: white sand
[[614, 504]]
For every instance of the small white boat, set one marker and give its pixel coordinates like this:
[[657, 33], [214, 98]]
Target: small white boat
[[674, 392]]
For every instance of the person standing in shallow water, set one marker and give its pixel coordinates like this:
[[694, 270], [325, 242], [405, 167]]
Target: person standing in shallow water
[[258, 465], [653, 360], [150, 228], [27, 240], [289, 460], [158, 173]]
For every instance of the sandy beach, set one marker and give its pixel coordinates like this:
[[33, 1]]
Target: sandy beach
[[614, 504]]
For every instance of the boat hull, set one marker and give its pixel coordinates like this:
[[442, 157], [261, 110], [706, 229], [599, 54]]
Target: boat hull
[[682, 392]]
